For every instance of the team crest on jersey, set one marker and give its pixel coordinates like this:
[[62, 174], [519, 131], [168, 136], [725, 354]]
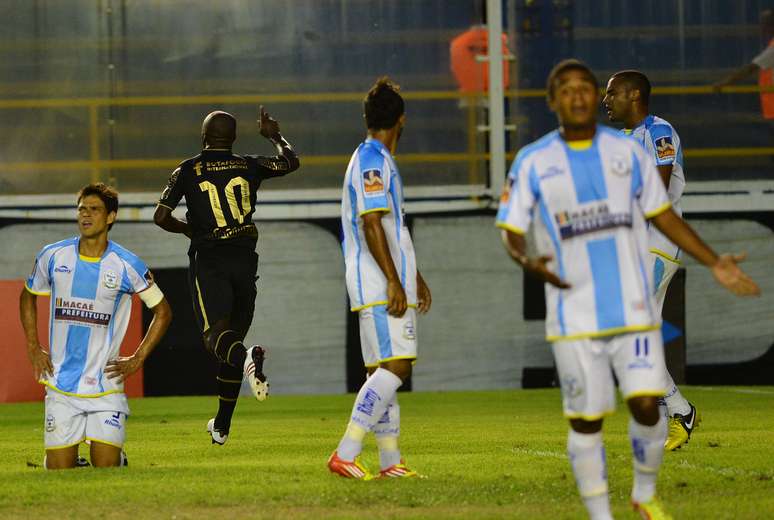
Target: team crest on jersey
[[571, 387], [408, 330], [110, 280], [619, 166], [665, 149], [372, 182]]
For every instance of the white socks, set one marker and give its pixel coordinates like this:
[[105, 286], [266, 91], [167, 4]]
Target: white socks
[[648, 452], [387, 431], [675, 402], [370, 405], [587, 458]]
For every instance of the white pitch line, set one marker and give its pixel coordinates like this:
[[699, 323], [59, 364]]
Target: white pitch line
[[723, 471], [735, 390]]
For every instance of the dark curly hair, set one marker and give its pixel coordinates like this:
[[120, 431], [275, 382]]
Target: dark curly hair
[[383, 105]]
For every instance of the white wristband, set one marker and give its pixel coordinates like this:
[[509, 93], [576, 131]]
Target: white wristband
[[152, 296]]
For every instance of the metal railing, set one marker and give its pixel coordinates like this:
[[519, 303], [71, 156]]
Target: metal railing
[[96, 164]]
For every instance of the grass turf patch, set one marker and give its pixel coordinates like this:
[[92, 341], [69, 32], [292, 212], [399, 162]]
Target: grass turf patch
[[486, 455]]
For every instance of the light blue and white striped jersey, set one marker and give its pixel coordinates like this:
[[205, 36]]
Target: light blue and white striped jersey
[[663, 144], [372, 184], [592, 206], [90, 308]]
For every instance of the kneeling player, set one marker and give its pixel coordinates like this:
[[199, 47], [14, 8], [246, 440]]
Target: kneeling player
[[91, 281]]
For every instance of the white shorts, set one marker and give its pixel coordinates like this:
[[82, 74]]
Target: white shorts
[[586, 368], [663, 271], [68, 422], [384, 337]]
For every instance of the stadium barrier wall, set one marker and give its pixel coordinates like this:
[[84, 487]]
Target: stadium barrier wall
[[475, 337], [17, 381]]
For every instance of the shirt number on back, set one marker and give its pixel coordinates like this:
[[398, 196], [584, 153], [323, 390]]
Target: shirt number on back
[[239, 208]]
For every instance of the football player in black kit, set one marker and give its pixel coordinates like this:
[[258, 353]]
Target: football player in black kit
[[220, 194]]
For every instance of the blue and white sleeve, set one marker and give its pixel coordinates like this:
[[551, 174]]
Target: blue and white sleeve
[[518, 198], [371, 182], [39, 281], [647, 186], [661, 144]]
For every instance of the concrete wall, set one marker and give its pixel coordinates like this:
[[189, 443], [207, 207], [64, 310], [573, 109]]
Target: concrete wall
[[474, 337]]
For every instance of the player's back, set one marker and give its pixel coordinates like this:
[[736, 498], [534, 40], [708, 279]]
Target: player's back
[[372, 184], [663, 143], [220, 195]]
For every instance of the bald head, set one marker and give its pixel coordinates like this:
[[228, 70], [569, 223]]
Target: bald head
[[219, 130]]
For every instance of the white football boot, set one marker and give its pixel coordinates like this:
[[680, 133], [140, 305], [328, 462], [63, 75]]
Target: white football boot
[[217, 437], [254, 372]]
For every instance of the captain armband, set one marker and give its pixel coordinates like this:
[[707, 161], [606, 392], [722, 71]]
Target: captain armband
[[151, 296]]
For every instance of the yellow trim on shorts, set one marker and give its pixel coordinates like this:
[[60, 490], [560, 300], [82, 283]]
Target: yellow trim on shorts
[[65, 446], [645, 393], [375, 210], [71, 394], [665, 256], [36, 293], [589, 418], [658, 211], [165, 206], [602, 333], [394, 358], [92, 439], [201, 305], [508, 227], [374, 304], [228, 399]]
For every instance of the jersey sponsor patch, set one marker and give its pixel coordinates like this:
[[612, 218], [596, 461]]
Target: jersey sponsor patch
[[506, 194], [372, 183], [665, 149], [589, 220]]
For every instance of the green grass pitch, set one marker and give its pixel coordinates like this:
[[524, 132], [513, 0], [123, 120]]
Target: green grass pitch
[[486, 455]]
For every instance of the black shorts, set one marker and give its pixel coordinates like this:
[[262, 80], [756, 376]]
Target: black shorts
[[222, 282]]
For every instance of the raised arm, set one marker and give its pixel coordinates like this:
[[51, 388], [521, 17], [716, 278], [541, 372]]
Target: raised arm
[[286, 160], [736, 76], [723, 267]]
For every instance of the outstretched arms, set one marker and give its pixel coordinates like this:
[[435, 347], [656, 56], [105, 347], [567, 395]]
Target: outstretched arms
[[724, 267], [516, 246], [737, 75]]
